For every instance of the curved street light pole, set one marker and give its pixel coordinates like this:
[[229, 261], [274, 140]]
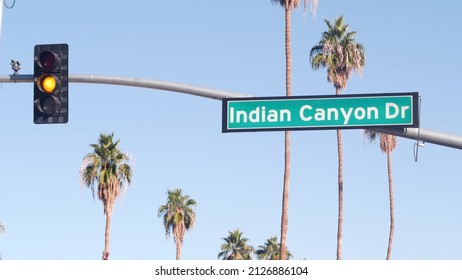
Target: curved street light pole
[[419, 134]]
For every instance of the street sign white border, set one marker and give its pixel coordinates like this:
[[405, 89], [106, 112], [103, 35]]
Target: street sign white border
[[414, 109]]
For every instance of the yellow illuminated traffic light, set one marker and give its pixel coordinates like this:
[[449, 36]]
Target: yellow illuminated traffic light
[[47, 83], [51, 83]]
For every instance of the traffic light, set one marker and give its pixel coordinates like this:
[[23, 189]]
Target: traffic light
[[51, 79]]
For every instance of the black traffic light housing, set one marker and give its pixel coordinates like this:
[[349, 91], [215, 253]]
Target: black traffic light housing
[[51, 80]]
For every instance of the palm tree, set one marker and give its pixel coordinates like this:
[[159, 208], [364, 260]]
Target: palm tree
[[236, 247], [178, 216], [288, 6], [340, 54], [387, 144], [270, 250], [108, 169]]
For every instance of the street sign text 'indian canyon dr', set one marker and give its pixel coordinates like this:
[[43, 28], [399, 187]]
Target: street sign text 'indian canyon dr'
[[321, 112]]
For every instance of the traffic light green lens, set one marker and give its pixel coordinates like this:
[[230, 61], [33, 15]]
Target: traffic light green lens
[[48, 105]]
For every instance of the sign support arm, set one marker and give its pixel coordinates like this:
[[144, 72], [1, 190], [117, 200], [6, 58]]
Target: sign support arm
[[434, 137], [425, 135]]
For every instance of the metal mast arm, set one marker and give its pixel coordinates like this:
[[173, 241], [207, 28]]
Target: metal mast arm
[[134, 82], [429, 136], [425, 135]]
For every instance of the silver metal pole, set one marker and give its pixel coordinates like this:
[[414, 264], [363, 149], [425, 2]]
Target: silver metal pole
[[154, 84], [135, 82], [425, 135], [16, 78]]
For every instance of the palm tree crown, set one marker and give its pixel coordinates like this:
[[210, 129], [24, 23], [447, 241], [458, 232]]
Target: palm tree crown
[[107, 168], [294, 4], [387, 142], [178, 216], [236, 247], [270, 250], [338, 52]]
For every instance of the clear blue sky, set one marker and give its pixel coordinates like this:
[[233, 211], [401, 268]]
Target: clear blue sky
[[235, 178]]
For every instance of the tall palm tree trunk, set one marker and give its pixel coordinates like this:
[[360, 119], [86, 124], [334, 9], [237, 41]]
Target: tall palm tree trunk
[[285, 196], [392, 204], [340, 191], [107, 233], [178, 250]]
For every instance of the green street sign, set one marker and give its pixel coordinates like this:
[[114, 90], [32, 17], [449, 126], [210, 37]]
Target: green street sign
[[321, 112]]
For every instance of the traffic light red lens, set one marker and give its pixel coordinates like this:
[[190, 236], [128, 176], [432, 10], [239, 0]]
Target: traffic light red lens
[[47, 60]]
